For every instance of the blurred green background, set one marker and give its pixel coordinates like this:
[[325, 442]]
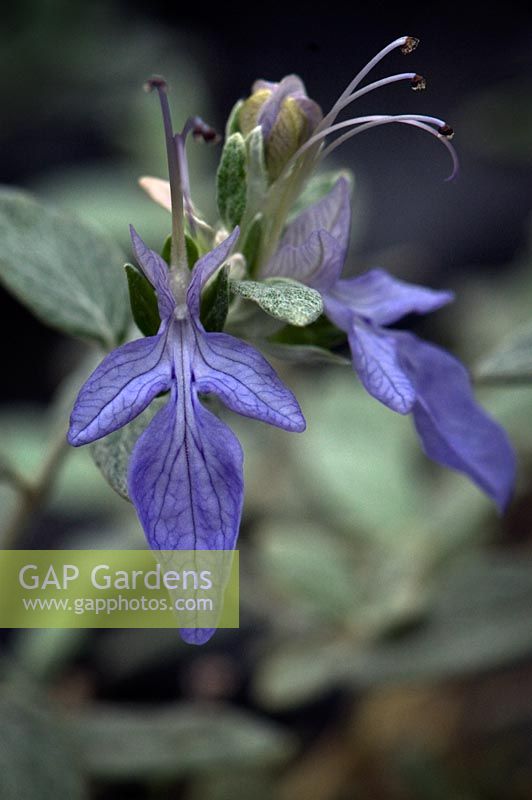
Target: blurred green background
[[385, 648]]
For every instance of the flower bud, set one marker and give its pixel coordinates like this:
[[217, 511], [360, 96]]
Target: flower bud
[[286, 116]]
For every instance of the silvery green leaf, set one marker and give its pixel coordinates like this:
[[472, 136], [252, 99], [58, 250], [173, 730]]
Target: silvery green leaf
[[112, 453], [512, 362], [257, 179], [282, 298], [67, 272], [231, 181]]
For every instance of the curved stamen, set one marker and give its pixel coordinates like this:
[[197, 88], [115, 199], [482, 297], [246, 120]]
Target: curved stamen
[[349, 123], [416, 81], [440, 133], [199, 130], [406, 43]]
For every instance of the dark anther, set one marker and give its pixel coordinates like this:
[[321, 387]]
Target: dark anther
[[410, 45], [200, 130], [418, 83], [155, 82], [446, 131]]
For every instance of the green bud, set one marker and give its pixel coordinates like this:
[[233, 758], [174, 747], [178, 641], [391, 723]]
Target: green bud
[[286, 116]]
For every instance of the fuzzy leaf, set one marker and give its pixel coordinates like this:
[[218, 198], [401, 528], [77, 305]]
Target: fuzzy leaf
[[215, 302], [512, 362], [143, 302], [231, 181], [112, 453], [283, 299], [251, 242], [257, 177], [63, 269]]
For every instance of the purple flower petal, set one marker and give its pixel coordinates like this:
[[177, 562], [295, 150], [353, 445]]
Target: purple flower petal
[[185, 478], [376, 360], [156, 270], [120, 388], [332, 214], [454, 429], [289, 86], [197, 636], [311, 110], [205, 267], [244, 380], [317, 262], [383, 299]]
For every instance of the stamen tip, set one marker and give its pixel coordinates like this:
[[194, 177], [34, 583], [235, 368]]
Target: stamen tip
[[418, 83], [446, 131], [410, 45], [201, 130], [155, 82]]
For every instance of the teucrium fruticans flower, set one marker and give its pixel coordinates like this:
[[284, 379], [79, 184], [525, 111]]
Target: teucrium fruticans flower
[[185, 475]]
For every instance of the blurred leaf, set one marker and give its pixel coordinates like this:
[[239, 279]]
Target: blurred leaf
[[301, 353], [138, 745], [479, 619], [282, 298], [44, 652], [358, 460], [251, 242], [63, 269], [297, 671], [512, 362], [143, 302], [308, 563], [318, 186], [260, 784], [320, 333], [112, 453], [37, 757], [215, 302]]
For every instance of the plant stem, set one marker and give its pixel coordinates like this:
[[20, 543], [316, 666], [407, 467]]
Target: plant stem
[[33, 495]]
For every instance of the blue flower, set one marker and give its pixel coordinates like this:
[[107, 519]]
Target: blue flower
[[185, 447], [185, 474], [400, 370]]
